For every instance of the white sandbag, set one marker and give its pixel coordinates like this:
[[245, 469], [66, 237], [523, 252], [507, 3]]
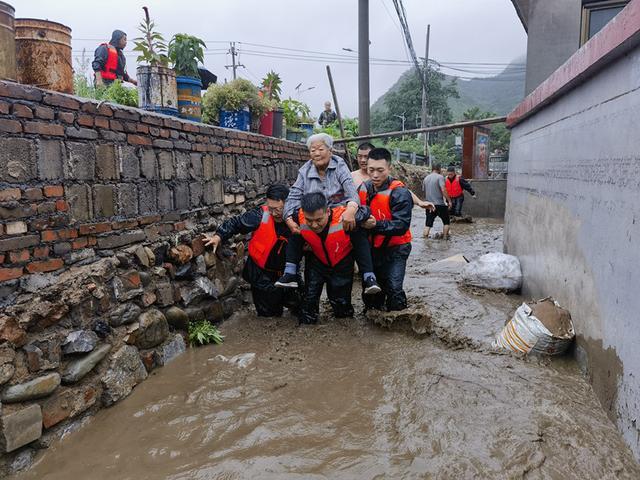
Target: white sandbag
[[544, 327], [495, 271]]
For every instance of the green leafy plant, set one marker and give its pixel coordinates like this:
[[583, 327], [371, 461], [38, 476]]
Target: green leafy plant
[[295, 112], [185, 51], [204, 332], [116, 92], [235, 95], [272, 86], [151, 45]]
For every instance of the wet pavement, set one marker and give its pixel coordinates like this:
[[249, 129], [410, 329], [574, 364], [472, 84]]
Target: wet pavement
[[349, 399]]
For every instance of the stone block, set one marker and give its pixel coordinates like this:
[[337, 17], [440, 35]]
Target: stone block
[[82, 133], [229, 166], [207, 167], [129, 162], [31, 390], [147, 198], [20, 428], [120, 239], [181, 196], [81, 161], [127, 199], [165, 163], [77, 369], [165, 198], [106, 162], [67, 403], [195, 194], [148, 164], [164, 294], [229, 198], [127, 370], [50, 159], [103, 204], [183, 161], [17, 160], [196, 169], [170, 350], [79, 199], [152, 329], [16, 228], [218, 166]]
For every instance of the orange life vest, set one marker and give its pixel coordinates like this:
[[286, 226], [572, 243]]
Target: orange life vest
[[336, 246], [381, 210], [111, 65], [263, 239], [454, 189]]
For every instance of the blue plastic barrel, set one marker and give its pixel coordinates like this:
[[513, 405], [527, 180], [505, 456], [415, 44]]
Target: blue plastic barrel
[[189, 98], [236, 119]]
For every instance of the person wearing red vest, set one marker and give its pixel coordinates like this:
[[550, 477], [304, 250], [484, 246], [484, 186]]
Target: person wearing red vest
[[391, 205], [267, 247], [456, 185], [109, 62], [330, 258]]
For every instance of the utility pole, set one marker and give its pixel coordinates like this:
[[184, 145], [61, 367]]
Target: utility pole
[[425, 77], [403, 118], [363, 68], [233, 53]]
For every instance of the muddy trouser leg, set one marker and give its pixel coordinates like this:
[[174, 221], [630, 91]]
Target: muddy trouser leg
[[339, 287], [376, 301], [267, 299], [396, 265], [294, 249], [361, 250], [314, 278], [457, 206]]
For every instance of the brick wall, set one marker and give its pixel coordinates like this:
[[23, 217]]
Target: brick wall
[[102, 265]]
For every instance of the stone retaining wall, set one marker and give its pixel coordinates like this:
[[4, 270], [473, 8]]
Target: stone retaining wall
[[101, 262]]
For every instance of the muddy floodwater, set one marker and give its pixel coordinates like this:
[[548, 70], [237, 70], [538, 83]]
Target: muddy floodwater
[[349, 399]]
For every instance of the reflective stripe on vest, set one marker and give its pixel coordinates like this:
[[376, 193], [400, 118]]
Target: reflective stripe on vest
[[111, 65], [263, 239], [454, 189], [337, 245], [381, 210]]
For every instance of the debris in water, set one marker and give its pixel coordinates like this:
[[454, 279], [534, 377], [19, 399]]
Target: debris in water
[[242, 360], [417, 316]]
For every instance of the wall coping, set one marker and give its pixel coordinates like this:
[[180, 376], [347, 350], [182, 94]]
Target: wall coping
[[618, 37]]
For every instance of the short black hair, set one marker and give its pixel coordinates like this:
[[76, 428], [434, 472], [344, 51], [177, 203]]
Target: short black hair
[[277, 191], [366, 146], [451, 168], [380, 154], [436, 167], [311, 202]]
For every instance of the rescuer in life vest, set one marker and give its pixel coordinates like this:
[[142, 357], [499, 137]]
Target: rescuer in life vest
[[267, 248], [391, 204], [456, 185], [330, 260], [109, 62]]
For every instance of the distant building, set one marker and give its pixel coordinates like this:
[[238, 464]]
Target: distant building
[[573, 190]]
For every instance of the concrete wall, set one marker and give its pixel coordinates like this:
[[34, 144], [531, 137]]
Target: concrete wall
[[491, 196], [101, 214], [573, 219], [554, 35]]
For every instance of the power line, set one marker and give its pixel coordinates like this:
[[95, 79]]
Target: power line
[[402, 16]]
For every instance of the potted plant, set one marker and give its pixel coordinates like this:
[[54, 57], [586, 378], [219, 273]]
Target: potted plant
[[271, 122], [156, 81], [232, 105], [294, 113], [185, 51]]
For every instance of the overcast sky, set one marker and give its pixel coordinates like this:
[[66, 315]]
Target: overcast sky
[[474, 31]]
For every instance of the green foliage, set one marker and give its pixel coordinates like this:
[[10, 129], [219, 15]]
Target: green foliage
[[295, 112], [442, 154], [500, 134], [272, 86], [204, 332], [152, 46], [185, 51], [350, 126], [235, 95], [406, 100], [411, 145], [114, 93], [476, 113]]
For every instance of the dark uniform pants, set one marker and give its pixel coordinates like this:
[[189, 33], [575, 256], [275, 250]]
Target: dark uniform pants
[[457, 202], [339, 281], [269, 300], [389, 265]]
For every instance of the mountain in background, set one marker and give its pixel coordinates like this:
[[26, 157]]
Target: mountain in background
[[498, 94]]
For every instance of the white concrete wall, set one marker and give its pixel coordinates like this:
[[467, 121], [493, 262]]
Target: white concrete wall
[[573, 218]]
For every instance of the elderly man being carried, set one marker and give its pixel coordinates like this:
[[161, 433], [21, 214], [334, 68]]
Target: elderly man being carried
[[327, 174]]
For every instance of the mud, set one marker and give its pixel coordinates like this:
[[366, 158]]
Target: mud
[[348, 399], [556, 319]]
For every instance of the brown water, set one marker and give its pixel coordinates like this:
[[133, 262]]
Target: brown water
[[347, 399]]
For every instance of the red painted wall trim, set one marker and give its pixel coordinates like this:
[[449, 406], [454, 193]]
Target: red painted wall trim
[[615, 39]]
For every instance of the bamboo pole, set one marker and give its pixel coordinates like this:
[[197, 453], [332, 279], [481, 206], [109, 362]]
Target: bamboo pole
[[437, 128]]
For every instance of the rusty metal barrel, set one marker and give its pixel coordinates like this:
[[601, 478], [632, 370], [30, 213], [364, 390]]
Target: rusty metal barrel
[[43, 54], [7, 43]]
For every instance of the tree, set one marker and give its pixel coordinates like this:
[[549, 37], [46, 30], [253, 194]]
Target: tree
[[500, 135], [406, 100]]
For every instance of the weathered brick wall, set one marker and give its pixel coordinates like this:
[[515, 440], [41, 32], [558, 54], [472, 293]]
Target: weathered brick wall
[[101, 262]]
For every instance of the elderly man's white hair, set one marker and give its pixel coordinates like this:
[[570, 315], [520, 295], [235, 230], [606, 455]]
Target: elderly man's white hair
[[320, 137]]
